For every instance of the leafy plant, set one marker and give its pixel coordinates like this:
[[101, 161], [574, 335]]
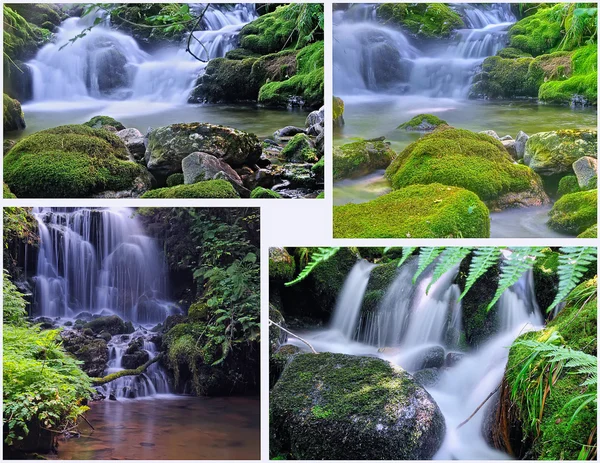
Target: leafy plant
[[320, 255], [573, 263], [483, 259], [309, 18], [14, 305], [406, 253], [426, 257], [449, 259]]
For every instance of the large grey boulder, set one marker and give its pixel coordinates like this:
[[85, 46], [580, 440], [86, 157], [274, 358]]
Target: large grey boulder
[[134, 141], [586, 169], [203, 166]]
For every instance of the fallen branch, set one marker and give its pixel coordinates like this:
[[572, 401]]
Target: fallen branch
[[271, 322], [133, 372], [478, 408]]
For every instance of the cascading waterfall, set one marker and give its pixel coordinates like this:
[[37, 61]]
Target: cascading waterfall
[[411, 326], [371, 57], [108, 64]]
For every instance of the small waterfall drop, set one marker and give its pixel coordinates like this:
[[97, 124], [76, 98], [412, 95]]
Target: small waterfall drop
[[106, 64]]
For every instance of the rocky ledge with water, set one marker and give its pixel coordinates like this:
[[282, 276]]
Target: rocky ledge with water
[[390, 362]]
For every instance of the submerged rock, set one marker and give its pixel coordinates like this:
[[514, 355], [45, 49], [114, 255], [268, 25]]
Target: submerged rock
[[434, 357], [339, 407], [427, 377], [360, 158]]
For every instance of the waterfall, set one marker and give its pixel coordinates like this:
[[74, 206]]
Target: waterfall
[[371, 57], [106, 64], [99, 261]]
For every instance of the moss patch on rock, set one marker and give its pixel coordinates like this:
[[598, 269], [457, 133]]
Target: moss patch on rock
[[98, 122], [427, 20], [574, 212], [417, 211], [204, 189], [260, 192], [68, 162], [591, 232], [423, 123], [567, 184], [338, 111], [537, 34], [360, 158], [14, 119], [300, 149], [282, 266], [271, 32]]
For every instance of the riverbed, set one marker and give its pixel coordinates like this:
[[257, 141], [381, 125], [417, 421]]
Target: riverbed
[[168, 427]]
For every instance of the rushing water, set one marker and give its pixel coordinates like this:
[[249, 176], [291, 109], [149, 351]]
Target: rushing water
[[169, 428], [411, 323], [385, 78]]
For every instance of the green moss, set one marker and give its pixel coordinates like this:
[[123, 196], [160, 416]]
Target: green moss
[[456, 157], [545, 277], [417, 211], [423, 122], [591, 232], [504, 78], [205, 189], [7, 194], [175, 179], [14, 119], [260, 192], [68, 162], [98, 122], [40, 14], [574, 212], [281, 265], [338, 111], [299, 149], [428, 20], [567, 184], [319, 168], [512, 53], [20, 38], [380, 279], [360, 158], [271, 32], [241, 53], [537, 34], [198, 311]]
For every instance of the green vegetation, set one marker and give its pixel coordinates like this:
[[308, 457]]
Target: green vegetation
[[575, 212], [417, 211], [98, 122], [537, 34], [7, 194], [300, 149], [567, 184], [174, 179], [427, 20], [260, 192], [14, 119], [204, 189], [423, 122], [281, 264], [591, 232], [68, 162], [360, 158], [338, 111]]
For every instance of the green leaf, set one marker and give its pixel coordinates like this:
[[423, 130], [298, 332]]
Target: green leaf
[[483, 259], [426, 257], [406, 253], [449, 258], [319, 256], [573, 263]]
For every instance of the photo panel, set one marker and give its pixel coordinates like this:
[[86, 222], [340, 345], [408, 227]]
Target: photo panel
[[443, 353], [465, 120], [131, 333], [160, 100]]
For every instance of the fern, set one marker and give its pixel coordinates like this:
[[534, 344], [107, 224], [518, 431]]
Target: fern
[[426, 257], [483, 259], [406, 253], [515, 265], [573, 262], [321, 255], [449, 258]]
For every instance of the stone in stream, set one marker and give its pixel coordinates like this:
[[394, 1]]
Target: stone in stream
[[203, 166], [453, 358], [427, 377], [511, 147], [134, 141], [315, 117], [288, 131], [520, 142], [341, 407], [586, 169], [111, 324], [491, 133], [434, 357]]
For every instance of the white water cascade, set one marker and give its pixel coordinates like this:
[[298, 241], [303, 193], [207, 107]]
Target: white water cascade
[[404, 65], [99, 261], [413, 327], [106, 64]]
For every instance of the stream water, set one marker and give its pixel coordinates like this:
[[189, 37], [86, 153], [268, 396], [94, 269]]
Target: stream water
[[99, 262], [386, 78], [410, 325], [107, 72]]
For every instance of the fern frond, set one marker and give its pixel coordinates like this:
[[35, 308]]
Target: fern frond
[[513, 267], [573, 263], [321, 255], [406, 253], [449, 258], [426, 257], [483, 259]]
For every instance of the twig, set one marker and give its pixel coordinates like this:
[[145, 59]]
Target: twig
[[191, 35], [271, 322], [89, 424], [137, 371], [478, 408]]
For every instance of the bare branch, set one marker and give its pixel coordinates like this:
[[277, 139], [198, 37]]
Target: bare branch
[[271, 322]]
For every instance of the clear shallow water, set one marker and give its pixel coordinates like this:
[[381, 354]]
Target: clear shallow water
[[168, 428], [144, 114], [523, 223]]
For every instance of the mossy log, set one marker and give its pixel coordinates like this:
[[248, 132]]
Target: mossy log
[[132, 372]]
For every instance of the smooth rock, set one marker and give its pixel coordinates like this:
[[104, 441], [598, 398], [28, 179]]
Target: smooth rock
[[134, 140], [520, 142], [586, 169]]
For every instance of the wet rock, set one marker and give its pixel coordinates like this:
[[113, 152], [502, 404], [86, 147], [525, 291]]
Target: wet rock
[[315, 117], [520, 143], [312, 418], [423, 123], [506, 138], [491, 133], [281, 265], [69, 323], [105, 335], [92, 351], [45, 323], [298, 175], [427, 377], [134, 140], [85, 316], [586, 170], [279, 359], [360, 158], [453, 358], [14, 118], [434, 357], [288, 131], [137, 359], [173, 320], [111, 324], [8, 144], [300, 149], [202, 166], [112, 397]]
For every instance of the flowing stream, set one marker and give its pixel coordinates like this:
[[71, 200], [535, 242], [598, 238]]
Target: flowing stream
[[107, 72], [386, 77], [100, 262], [419, 329]]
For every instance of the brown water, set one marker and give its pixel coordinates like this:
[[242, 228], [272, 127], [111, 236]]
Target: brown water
[[168, 428]]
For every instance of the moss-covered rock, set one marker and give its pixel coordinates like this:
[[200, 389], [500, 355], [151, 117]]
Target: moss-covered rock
[[417, 211], [21, 39], [566, 185], [7, 194], [278, 361], [423, 123], [319, 169], [504, 78], [198, 312], [574, 212], [474, 161], [72, 161], [91, 351], [281, 265], [271, 32], [552, 153], [175, 179], [112, 324], [226, 81], [205, 189], [98, 122], [591, 232], [360, 158], [545, 278], [300, 149], [426, 20], [380, 279], [14, 119], [338, 111], [43, 15], [260, 192], [513, 53], [276, 335], [339, 407], [537, 34]]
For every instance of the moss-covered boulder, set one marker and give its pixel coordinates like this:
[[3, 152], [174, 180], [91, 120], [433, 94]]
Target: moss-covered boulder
[[417, 211], [226, 81], [168, 146], [537, 34], [281, 265], [6, 193], [338, 111], [43, 15], [552, 153], [556, 432], [175, 179], [264, 193], [99, 122], [474, 161], [271, 32], [14, 119], [319, 170], [300, 149], [199, 167], [341, 407], [567, 184], [422, 123], [278, 361], [72, 161], [206, 189], [112, 324], [90, 350], [380, 279], [545, 278], [575, 212], [591, 232], [360, 158], [426, 20]]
